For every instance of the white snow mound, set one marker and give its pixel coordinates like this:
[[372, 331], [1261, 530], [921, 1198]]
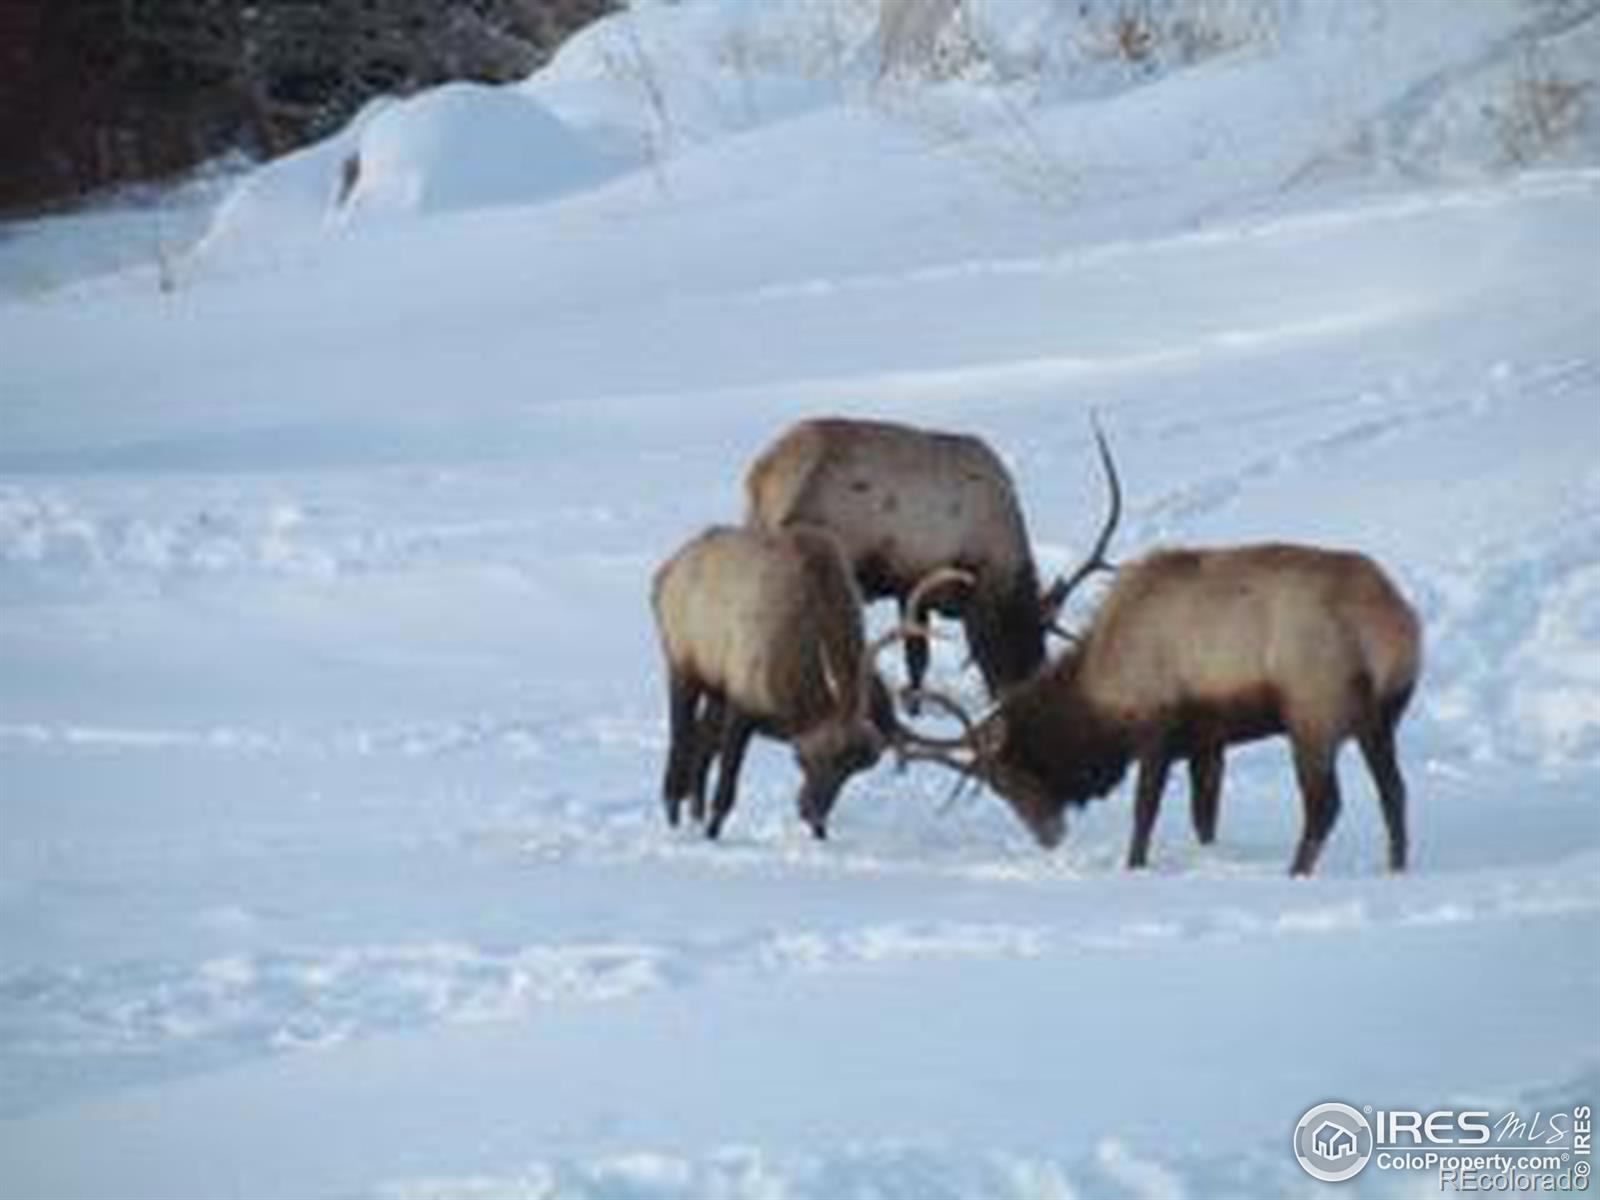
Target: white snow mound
[[454, 148], [465, 146]]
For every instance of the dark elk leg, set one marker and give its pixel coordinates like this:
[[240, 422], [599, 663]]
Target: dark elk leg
[[708, 735], [1319, 792], [1205, 790], [815, 802], [1377, 747], [683, 697], [1153, 766], [736, 731], [917, 654]]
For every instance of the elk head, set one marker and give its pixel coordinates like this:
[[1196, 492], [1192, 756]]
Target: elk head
[[864, 724]]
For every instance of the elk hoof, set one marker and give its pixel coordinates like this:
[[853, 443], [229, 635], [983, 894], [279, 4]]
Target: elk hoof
[[1305, 858]]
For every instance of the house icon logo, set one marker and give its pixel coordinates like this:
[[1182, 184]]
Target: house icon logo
[[1333, 1142]]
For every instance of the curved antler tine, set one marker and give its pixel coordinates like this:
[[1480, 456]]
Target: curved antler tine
[[869, 658], [1113, 486], [964, 785], [874, 648], [1056, 596], [940, 758], [883, 641], [1062, 632], [935, 579], [952, 708], [905, 629], [960, 754], [917, 625]]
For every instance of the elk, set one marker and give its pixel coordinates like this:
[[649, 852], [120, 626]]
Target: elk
[[904, 502], [762, 633], [1195, 650]]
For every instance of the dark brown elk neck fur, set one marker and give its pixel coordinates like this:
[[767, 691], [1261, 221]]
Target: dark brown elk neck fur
[[1006, 628], [1054, 733]]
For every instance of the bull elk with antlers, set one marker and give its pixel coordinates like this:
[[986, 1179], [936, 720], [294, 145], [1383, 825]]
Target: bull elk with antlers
[[905, 502], [1195, 650], [762, 633]]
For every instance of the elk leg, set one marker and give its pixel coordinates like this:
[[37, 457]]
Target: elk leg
[[1377, 747], [708, 732], [683, 697], [815, 802], [1205, 789], [1153, 765], [736, 731], [917, 654], [1314, 768]]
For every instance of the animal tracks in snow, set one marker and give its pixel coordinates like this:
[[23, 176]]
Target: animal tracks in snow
[[1344, 428], [237, 1006], [1137, 1167], [240, 1005]]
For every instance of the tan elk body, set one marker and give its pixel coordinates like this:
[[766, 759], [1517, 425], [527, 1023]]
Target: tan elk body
[[904, 502], [1195, 650], [762, 632]]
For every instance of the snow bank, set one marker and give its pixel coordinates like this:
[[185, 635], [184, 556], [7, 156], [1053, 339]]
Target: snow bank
[[454, 148], [1222, 100], [668, 76], [466, 146]]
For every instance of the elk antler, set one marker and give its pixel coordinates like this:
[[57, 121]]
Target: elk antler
[[933, 579], [960, 754], [869, 661], [1051, 603], [953, 708]]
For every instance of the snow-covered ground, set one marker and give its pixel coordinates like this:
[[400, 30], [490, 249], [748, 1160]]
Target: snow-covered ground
[[331, 717]]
